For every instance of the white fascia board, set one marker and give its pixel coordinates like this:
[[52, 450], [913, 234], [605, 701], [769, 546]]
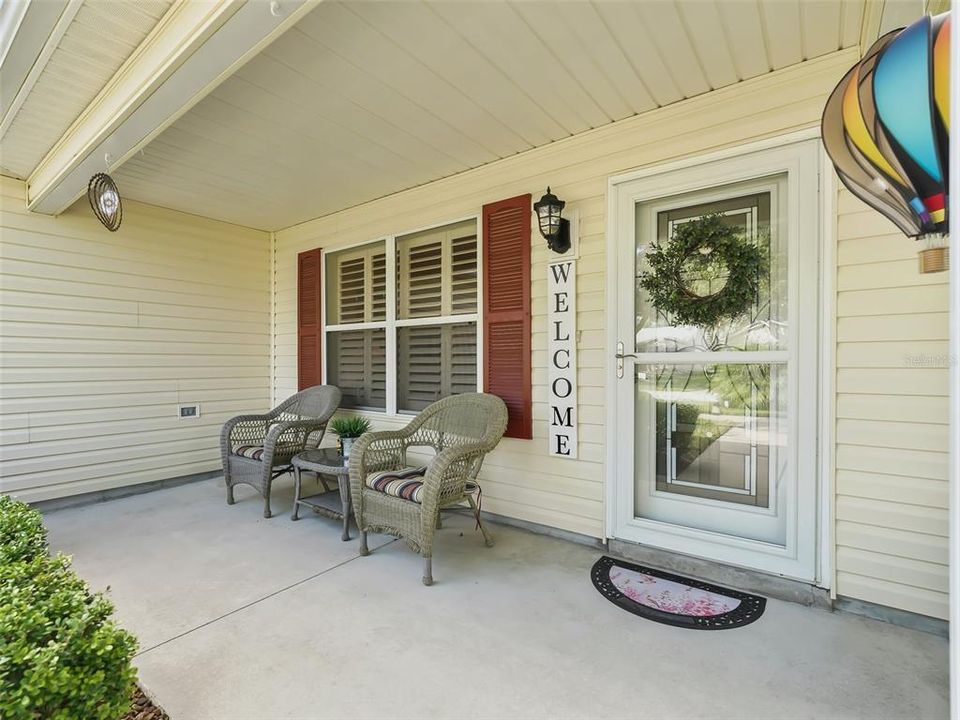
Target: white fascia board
[[195, 47], [29, 33], [11, 15]]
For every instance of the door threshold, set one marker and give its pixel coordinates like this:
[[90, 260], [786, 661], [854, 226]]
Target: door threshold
[[737, 578]]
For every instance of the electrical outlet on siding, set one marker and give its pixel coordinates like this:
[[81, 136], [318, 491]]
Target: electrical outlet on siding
[[188, 411]]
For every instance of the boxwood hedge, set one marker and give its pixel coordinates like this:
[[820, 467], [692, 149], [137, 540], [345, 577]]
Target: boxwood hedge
[[22, 535], [61, 655]]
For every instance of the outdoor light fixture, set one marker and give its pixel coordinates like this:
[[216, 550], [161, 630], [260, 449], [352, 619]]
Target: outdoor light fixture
[[886, 128], [555, 230], [105, 200]]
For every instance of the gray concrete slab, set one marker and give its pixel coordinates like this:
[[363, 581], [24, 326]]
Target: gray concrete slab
[[179, 557], [511, 631]]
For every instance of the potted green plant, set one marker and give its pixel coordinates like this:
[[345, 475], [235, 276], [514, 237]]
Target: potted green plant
[[349, 429]]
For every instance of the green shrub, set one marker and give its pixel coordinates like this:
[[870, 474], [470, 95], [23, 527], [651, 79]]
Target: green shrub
[[350, 427], [61, 656], [22, 535]]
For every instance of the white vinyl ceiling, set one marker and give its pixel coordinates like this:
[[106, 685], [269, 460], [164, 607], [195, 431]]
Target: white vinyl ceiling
[[100, 38], [362, 99]]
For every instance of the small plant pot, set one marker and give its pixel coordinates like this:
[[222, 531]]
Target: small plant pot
[[345, 445]]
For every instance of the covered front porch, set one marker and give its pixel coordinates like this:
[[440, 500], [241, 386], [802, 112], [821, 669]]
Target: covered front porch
[[240, 617], [341, 197]]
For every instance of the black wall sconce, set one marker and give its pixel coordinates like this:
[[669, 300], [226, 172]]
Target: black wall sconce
[[555, 230]]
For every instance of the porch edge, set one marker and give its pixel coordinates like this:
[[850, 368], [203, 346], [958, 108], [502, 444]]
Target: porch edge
[[534, 527], [773, 586], [98, 496], [894, 616]]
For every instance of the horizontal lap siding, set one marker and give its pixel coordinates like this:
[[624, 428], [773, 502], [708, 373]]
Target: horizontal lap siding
[[519, 479], [892, 413], [103, 334]]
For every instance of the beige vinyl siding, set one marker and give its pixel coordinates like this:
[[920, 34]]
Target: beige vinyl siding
[[891, 417], [519, 479], [103, 334]]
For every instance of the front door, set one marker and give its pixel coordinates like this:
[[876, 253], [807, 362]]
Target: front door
[[716, 418]]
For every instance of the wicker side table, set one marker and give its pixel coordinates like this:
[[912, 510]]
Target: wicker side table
[[328, 462]]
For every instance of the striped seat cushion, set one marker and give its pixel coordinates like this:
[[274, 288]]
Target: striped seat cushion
[[406, 484], [255, 452]]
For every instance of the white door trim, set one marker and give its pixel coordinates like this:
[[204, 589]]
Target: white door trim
[[823, 504], [826, 549]]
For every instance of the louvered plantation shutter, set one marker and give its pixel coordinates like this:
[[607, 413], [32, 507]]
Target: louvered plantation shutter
[[356, 297], [506, 309], [437, 281], [308, 319]]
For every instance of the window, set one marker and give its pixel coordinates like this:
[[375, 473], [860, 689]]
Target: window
[[403, 334]]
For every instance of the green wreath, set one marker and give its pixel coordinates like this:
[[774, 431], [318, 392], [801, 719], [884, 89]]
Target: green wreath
[[706, 273]]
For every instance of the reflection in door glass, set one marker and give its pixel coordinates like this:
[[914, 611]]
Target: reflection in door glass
[[720, 430]]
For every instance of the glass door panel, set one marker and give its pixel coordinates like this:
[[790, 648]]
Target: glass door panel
[[715, 433], [710, 413], [753, 210]]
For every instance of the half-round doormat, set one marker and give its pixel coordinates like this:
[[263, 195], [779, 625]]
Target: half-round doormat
[[672, 599]]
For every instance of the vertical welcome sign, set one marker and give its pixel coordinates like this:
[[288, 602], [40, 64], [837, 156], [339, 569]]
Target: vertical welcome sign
[[562, 357]]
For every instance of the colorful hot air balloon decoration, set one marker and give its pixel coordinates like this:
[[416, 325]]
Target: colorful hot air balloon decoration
[[886, 129]]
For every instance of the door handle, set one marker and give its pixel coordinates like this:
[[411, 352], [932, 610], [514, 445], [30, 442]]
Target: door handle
[[620, 357]]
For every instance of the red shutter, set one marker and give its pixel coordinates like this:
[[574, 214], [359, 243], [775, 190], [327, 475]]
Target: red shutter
[[506, 309], [309, 268]]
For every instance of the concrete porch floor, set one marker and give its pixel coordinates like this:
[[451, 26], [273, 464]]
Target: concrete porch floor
[[244, 618]]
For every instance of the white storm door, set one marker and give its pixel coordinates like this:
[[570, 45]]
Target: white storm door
[[717, 427]]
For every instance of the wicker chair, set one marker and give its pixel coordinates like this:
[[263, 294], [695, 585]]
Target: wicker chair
[[258, 448], [462, 429]]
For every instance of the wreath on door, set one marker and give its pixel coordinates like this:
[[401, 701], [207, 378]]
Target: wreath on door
[[707, 272]]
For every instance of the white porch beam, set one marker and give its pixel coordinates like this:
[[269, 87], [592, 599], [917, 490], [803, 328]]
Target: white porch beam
[[195, 47], [29, 33]]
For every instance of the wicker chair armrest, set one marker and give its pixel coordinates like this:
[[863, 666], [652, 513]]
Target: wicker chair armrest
[[374, 452], [448, 472], [292, 435], [247, 420], [246, 423]]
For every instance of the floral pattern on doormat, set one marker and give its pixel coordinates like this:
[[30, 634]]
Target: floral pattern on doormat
[[670, 596], [674, 600]]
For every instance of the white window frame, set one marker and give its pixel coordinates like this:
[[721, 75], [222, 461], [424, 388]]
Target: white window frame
[[392, 323]]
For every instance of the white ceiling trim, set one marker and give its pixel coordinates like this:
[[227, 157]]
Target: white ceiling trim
[[178, 35], [192, 50], [11, 15], [38, 32], [882, 16]]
